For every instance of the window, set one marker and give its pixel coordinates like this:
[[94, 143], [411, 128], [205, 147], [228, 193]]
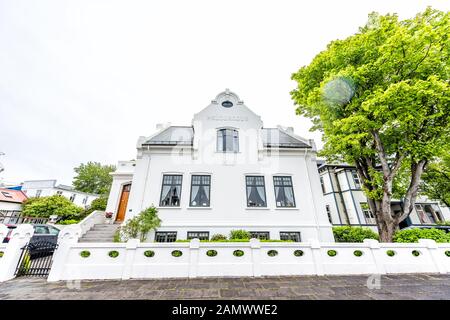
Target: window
[[169, 236], [53, 230], [256, 191], [40, 230], [327, 208], [38, 193], [261, 235], [85, 199], [201, 235], [356, 179], [227, 140], [200, 191], [322, 183], [171, 191], [294, 236], [284, 193], [72, 197], [368, 214], [59, 193]]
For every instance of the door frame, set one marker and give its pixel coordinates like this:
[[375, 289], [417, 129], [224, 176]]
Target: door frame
[[122, 187]]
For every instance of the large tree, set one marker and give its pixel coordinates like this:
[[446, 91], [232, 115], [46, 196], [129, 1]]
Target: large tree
[[436, 179], [93, 177], [382, 100]]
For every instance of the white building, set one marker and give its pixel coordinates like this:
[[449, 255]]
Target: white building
[[224, 172], [44, 188], [346, 204]]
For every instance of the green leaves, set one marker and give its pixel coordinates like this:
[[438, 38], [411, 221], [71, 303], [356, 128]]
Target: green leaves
[[54, 205], [93, 178], [141, 225]]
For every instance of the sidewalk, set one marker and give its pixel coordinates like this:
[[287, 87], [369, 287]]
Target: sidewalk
[[417, 286]]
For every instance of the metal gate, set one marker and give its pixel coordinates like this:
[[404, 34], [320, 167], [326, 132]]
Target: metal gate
[[36, 259]]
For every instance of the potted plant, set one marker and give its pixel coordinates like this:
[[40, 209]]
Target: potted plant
[[108, 216]]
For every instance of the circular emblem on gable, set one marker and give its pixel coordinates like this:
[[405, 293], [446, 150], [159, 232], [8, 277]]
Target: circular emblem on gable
[[227, 104]]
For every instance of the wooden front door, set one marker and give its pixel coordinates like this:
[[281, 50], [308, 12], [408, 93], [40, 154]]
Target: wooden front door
[[123, 202]]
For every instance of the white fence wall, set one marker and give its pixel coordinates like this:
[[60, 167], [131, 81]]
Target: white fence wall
[[194, 262]]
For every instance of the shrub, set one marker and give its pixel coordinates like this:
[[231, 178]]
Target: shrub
[[298, 253], [69, 221], [239, 234], [177, 253], [218, 237], [358, 253], [149, 253], [211, 253], [142, 224], [99, 203], [332, 253], [443, 223], [85, 253], [1, 254], [353, 234], [113, 254], [117, 236], [413, 235], [272, 253], [447, 253], [415, 253], [390, 253], [54, 205], [238, 253]]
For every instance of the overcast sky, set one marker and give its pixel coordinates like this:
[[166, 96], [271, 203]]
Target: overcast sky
[[82, 80]]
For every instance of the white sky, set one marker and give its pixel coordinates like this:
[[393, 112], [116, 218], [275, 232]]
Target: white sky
[[81, 80]]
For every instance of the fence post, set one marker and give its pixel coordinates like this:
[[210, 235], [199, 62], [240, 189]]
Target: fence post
[[317, 256], [130, 252], [66, 238], [19, 238], [255, 244], [194, 247], [375, 250], [436, 258]]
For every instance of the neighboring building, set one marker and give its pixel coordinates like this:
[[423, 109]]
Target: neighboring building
[[44, 188], [10, 204], [224, 172], [346, 204]]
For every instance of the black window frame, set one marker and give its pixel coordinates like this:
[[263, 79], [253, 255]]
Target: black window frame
[[322, 184], [284, 186], [165, 184], [261, 235], [196, 235], [255, 185], [222, 133], [328, 210], [355, 176], [289, 235], [200, 185], [166, 235]]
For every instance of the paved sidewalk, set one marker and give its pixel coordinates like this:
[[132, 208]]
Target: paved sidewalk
[[418, 286]]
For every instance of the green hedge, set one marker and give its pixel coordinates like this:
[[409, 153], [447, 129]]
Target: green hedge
[[353, 234], [413, 235]]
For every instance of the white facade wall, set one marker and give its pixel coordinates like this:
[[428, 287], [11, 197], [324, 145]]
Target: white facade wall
[[228, 200], [45, 190], [122, 176], [10, 206]]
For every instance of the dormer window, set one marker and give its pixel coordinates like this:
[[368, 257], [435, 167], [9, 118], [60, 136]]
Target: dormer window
[[227, 140]]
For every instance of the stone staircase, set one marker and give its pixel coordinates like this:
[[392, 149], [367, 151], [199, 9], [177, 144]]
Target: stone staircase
[[102, 232]]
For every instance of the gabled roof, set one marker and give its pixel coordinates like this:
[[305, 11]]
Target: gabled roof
[[171, 136], [276, 138], [178, 135], [8, 195]]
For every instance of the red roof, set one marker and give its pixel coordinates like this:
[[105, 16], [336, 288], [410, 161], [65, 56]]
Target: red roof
[[8, 195]]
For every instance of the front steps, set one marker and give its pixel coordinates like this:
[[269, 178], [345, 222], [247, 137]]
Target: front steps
[[100, 233]]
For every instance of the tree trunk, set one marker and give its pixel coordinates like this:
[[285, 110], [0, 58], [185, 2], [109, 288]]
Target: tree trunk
[[387, 231]]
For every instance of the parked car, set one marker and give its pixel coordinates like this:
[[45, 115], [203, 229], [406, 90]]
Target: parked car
[[42, 232]]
